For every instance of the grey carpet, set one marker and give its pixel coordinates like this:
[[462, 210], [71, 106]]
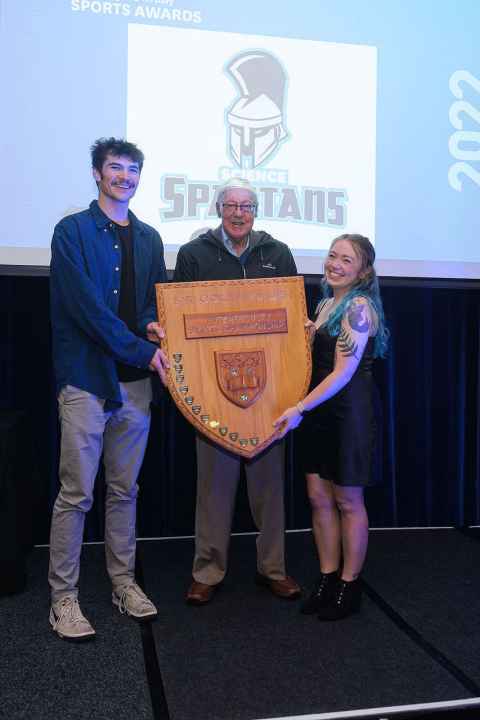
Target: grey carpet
[[432, 579], [44, 678], [249, 655]]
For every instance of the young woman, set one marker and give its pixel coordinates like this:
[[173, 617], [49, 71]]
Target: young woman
[[337, 436]]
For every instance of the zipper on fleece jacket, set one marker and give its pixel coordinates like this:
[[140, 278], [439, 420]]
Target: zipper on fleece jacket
[[221, 250]]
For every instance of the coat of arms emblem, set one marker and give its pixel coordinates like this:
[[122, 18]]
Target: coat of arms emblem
[[241, 376]]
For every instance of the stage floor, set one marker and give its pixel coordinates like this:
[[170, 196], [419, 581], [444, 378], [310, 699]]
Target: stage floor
[[248, 655]]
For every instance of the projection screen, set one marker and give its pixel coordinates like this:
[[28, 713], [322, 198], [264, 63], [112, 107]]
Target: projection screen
[[346, 117]]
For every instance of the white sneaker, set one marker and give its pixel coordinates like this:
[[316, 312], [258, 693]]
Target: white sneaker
[[131, 600], [68, 621]]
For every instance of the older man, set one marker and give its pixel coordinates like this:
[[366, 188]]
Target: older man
[[230, 252]]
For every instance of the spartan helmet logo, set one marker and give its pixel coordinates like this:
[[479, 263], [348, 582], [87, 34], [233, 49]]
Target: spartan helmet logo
[[256, 118]]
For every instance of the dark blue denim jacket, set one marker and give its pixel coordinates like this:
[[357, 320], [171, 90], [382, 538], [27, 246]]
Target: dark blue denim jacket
[[88, 337]]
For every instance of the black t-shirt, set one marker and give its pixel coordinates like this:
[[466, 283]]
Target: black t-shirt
[[127, 306]]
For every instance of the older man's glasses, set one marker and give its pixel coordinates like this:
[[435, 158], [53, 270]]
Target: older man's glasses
[[244, 208]]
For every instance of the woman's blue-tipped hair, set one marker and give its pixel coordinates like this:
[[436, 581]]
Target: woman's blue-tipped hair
[[366, 287]]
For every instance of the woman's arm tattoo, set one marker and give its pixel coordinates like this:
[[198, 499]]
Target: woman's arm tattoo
[[347, 344], [358, 317]]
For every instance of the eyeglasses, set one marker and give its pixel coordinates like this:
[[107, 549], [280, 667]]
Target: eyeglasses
[[242, 207]]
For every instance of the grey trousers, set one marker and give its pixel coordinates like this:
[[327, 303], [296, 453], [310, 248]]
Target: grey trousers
[[218, 474], [87, 431]]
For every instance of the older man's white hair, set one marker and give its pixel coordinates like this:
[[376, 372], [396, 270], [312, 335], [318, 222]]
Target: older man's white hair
[[235, 183]]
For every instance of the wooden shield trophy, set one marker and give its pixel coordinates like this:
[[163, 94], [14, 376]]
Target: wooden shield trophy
[[239, 355]]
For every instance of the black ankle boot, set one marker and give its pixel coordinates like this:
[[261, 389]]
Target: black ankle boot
[[321, 594], [345, 601]]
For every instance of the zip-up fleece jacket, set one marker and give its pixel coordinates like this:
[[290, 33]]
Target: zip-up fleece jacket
[[207, 258]]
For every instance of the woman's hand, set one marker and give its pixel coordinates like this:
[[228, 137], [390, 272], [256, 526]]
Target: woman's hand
[[290, 419], [311, 329]]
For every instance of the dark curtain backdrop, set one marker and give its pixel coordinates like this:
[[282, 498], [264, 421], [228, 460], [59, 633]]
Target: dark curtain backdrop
[[429, 389]]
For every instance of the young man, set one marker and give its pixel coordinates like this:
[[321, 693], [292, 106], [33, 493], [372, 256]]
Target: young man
[[105, 263], [235, 251]]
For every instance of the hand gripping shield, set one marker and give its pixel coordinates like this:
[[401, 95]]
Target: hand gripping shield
[[239, 355]]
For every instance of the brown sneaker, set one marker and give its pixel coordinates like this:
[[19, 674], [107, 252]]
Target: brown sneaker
[[286, 588], [200, 593]]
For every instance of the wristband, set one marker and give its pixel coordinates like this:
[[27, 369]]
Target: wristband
[[300, 407]]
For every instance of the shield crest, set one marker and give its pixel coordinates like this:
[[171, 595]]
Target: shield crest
[[239, 355], [241, 376]]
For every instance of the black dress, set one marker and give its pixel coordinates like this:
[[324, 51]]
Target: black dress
[[338, 437]]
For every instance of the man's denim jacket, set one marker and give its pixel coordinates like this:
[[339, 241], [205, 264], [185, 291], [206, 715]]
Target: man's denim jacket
[[88, 337]]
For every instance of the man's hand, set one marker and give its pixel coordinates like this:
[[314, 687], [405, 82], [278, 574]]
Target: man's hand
[[155, 332], [159, 363], [289, 420]]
